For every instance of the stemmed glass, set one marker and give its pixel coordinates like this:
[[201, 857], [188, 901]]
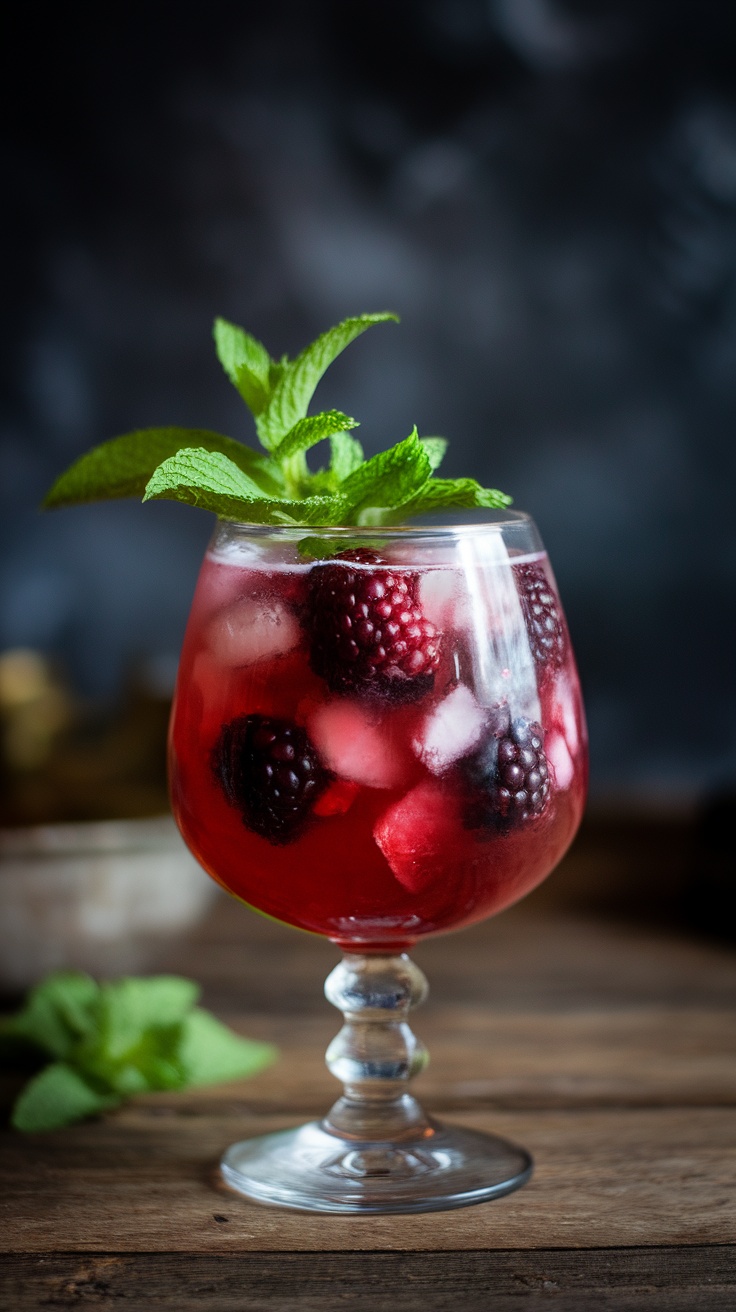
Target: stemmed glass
[[377, 736]]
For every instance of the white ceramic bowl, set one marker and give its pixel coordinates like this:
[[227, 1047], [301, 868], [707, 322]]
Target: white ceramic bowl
[[98, 897]]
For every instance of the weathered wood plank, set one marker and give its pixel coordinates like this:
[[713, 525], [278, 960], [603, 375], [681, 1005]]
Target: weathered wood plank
[[678, 1280], [140, 1181], [627, 1058]]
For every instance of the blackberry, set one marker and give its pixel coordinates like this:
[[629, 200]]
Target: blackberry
[[509, 775], [367, 631], [542, 615], [270, 771]]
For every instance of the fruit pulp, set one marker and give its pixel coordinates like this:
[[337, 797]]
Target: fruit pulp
[[411, 832]]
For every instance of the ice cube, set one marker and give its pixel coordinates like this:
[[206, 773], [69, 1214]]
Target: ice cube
[[565, 716], [559, 757], [495, 633], [416, 832], [451, 730], [438, 594], [251, 629], [359, 746]]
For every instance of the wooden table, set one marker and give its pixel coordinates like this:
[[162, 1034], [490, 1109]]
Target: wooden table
[[606, 1047]]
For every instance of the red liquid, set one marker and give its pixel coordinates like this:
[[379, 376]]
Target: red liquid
[[400, 862]]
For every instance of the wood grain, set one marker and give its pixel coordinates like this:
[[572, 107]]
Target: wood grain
[[142, 1182], [698, 1279]]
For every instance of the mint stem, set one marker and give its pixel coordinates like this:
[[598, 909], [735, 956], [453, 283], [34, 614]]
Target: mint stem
[[296, 475]]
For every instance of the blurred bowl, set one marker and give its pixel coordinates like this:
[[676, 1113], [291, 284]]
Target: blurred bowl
[[98, 897]]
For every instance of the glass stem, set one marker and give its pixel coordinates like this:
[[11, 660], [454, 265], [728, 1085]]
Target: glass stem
[[376, 1054]]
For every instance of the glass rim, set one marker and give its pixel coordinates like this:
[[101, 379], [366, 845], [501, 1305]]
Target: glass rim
[[497, 521]]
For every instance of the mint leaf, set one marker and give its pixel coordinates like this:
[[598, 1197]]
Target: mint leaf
[[135, 1045], [435, 448], [150, 1062], [212, 481], [57, 1014], [195, 470], [388, 479], [123, 466], [246, 363], [58, 1096], [452, 494], [308, 432], [210, 1052], [316, 548], [296, 387], [129, 1007], [346, 456]]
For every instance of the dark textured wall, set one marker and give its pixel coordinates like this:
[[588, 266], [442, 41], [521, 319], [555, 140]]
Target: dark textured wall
[[545, 191]]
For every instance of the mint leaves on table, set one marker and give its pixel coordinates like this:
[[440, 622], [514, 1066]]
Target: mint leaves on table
[[101, 1043], [276, 485]]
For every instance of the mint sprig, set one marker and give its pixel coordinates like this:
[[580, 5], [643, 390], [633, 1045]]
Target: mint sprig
[[234, 481], [101, 1043]]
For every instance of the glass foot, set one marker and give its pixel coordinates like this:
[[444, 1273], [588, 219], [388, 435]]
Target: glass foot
[[314, 1170]]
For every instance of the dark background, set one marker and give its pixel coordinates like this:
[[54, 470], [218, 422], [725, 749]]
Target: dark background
[[546, 193]]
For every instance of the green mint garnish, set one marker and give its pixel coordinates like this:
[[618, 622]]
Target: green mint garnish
[[101, 1043], [277, 486]]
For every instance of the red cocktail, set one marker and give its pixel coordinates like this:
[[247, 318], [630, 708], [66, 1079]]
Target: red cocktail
[[405, 828], [377, 744]]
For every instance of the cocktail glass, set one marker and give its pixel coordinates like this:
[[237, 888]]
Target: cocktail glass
[[380, 743]]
